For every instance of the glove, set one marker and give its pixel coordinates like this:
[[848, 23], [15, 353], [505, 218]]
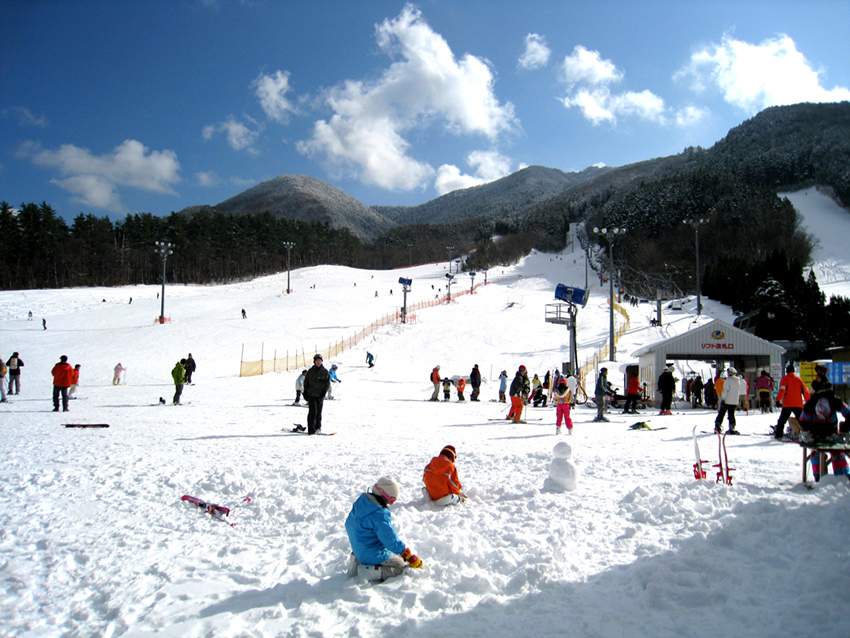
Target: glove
[[411, 558]]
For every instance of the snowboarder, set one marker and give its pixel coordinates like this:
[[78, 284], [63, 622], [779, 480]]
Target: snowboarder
[[370, 358], [441, 481], [244, 314], [299, 387], [14, 364], [178, 374], [190, 368], [62, 378], [316, 384], [375, 545], [116, 376]]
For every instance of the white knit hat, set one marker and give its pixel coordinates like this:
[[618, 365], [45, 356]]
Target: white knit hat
[[387, 487]]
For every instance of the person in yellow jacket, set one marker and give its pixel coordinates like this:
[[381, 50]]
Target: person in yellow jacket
[[441, 480]]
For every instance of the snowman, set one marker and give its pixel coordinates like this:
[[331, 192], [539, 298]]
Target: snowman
[[562, 473]]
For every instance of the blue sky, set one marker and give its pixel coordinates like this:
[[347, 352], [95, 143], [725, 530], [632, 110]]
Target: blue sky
[[125, 107]]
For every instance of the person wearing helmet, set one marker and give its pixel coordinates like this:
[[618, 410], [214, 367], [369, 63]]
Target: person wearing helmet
[[519, 385], [333, 379], [376, 550]]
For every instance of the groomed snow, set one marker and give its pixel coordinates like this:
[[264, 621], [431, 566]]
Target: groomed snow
[[95, 541]]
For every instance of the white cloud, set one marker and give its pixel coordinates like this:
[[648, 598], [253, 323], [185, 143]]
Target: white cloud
[[589, 67], [756, 76], [536, 54], [25, 117], [489, 166], [95, 180], [206, 179], [600, 105], [424, 85], [272, 90], [239, 136], [691, 115]]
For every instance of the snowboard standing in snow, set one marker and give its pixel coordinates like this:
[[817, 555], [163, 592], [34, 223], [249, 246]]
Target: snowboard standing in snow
[[699, 470]]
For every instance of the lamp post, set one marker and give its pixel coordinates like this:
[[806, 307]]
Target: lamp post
[[410, 254], [450, 250], [472, 282], [609, 234], [696, 224], [484, 270], [289, 245], [164, 248]]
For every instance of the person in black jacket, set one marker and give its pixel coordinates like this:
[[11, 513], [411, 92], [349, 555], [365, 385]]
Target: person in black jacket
[[666, 385], [475, 382], [14, 364], [190, 368], [316, 384]]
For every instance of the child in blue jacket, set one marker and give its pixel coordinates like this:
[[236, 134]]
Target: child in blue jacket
[[377, 551]]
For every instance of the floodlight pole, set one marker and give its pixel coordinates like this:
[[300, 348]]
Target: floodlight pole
[[609, 234], [289, 245], [695, 223], [450, 250], [164, 248]]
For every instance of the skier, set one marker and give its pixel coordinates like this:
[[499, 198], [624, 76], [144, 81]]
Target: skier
[[316, 384], [667, 385], [732, 389], [503, 386], [190, 368], [178, 373], [792, 395], [519, 385], [764, 388], [116, 376], [333, 379], [244, 314], [14, 364], [75, 381], [819, 419], [447, 389], [435, 379], [375, 545], [632, 391], [62, 378], [475, 382], [563, 397], [299, 387], [441, 481], [3, 371], [696, 392], [603, 389]]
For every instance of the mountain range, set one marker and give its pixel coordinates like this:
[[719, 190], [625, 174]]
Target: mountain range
[[781, 147]]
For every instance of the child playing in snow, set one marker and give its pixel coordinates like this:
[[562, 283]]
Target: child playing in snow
[[563, 398], [440, 478], [374, 542], [447, 389], [461, 386]]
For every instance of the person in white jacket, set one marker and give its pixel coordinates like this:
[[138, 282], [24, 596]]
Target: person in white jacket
[[732, 389]]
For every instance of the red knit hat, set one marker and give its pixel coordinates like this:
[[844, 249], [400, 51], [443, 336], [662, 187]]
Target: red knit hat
[[449, 453]]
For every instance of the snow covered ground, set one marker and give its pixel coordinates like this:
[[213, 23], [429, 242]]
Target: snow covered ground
[[95, 541]]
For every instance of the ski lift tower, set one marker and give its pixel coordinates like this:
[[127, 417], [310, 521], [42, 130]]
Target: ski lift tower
[[565, 314], [405, 287]]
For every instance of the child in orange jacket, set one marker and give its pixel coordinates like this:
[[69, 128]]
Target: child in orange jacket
[[441, 480]]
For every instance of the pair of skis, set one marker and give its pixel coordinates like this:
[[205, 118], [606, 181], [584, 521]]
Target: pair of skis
[[218, 512], [724, 472]]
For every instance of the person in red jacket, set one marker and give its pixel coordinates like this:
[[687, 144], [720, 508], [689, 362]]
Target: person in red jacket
[[440, 478], [63, 377], [436, 380], [792, 396]]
